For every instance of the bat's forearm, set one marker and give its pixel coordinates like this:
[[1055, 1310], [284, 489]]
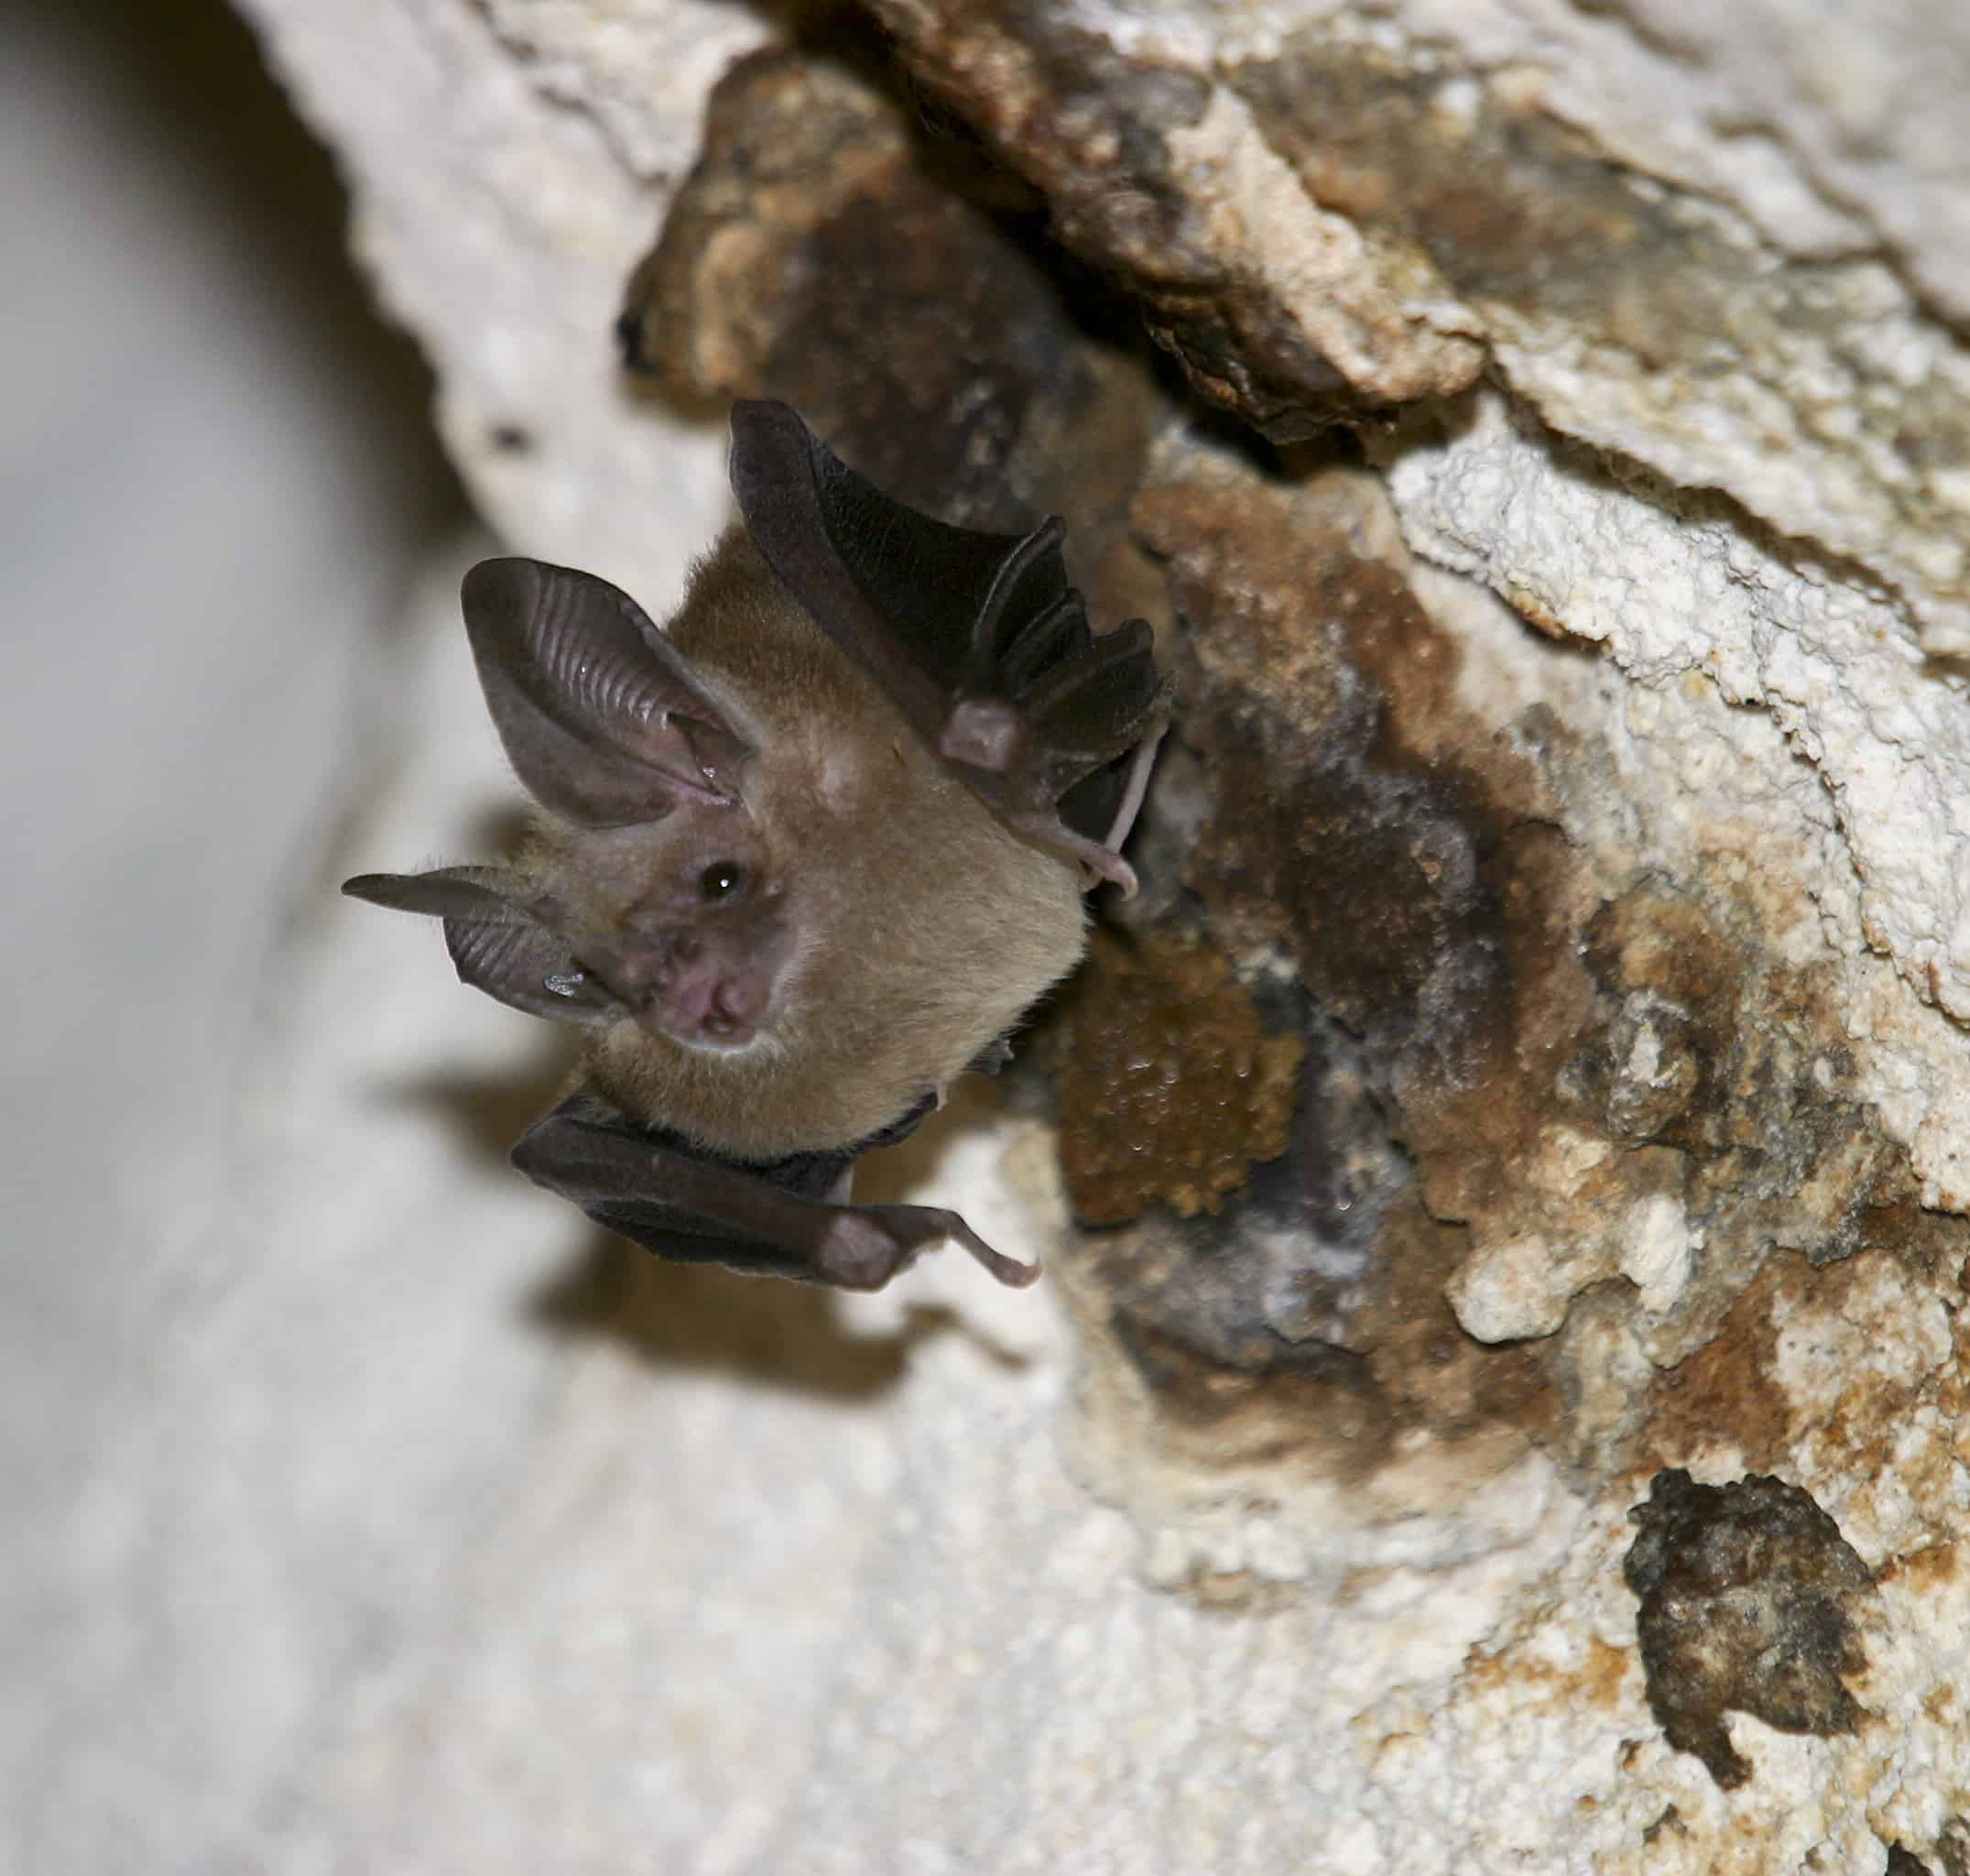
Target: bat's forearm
[[681, 1205]]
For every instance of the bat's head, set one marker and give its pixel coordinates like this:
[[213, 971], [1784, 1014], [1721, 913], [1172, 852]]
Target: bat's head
[[682, 924], [780, 917], [651, 893], [681, 927]]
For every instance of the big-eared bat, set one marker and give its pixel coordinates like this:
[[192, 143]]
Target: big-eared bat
[[803, 858]]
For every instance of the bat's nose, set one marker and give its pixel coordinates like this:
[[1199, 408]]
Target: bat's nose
[[725, 1008], [712, 988], [736, 1004]]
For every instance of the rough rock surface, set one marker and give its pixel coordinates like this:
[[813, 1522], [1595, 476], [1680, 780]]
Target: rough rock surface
[[1619, 930], [1328, 212], [1745, 1591]]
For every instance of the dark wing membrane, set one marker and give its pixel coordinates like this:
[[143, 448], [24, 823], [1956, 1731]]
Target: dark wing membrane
[[977, 638], [787, 1218]]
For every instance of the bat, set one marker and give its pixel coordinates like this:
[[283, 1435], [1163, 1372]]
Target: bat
[[801, 858]]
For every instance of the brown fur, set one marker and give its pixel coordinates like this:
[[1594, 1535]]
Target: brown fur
[[921, 928]]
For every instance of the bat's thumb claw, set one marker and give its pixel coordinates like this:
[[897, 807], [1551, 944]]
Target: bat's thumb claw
[[1118, 872]]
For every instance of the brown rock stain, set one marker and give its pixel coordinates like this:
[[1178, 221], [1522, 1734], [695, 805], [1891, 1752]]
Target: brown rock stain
[[1923, 1571], [1550, 1049], [1300, 639], [1723, 1391], [1599, 1679], [891, 284]]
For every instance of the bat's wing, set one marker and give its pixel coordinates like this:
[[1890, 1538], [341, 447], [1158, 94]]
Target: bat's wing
[[977, 638], [787, 1219]]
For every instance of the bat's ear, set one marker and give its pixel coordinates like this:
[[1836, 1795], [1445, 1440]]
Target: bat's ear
[[499, 939], [605, 723], [978, 638]]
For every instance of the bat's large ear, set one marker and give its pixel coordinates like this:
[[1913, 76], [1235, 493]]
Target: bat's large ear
[[976, 638], [499, 939], [604, 721]]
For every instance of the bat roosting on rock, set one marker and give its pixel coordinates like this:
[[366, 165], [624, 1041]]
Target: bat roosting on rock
[[805, 858]]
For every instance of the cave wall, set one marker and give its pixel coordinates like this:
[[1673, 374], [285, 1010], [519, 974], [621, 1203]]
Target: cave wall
[[1531, 1074]]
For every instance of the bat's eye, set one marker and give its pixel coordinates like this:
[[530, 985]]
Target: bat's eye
[[721, 880]]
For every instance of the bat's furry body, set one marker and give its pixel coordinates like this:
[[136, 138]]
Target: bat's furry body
[[923, 928], [803, 858]]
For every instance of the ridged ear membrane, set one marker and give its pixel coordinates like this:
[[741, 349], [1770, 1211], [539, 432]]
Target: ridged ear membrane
[[976, 638], [605, 723], [500, 939]]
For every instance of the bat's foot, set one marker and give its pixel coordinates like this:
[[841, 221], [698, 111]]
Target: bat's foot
[[864, 1246]]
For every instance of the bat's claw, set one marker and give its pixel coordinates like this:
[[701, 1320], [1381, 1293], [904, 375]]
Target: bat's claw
[[1097, 860]]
